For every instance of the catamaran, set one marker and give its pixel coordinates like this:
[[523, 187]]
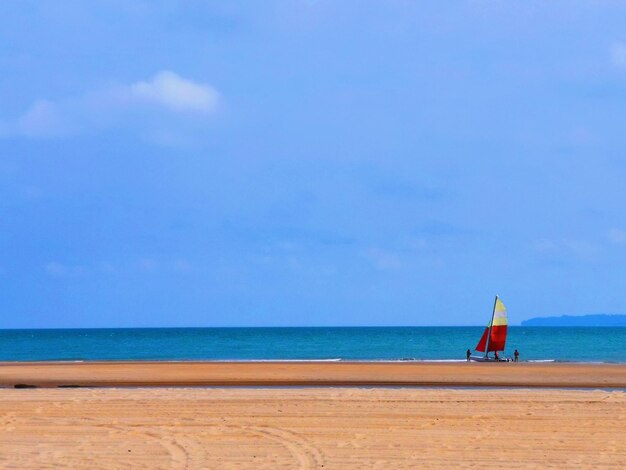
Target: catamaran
[[494, 337]]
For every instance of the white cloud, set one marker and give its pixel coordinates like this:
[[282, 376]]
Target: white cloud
[[176, 93], [618, 54], [107, 267], [32, 193], [419, 243], [580, 249], [545, 246], [147, 264], [144, 265], [155, 106], [383, 259], [580, 136], [617, 236], [182, 266], [55, 269], [42, 119]]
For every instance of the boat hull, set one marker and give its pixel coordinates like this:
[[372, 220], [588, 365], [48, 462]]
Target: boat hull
[[485, 359]]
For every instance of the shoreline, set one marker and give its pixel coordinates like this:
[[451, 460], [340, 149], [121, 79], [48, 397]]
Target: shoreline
[[307, 361], [311, 373]]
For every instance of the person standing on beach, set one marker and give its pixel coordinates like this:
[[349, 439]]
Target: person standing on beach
[[468, 354], [516, 354]]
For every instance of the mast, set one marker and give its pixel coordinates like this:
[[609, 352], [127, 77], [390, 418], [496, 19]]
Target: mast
[[495, 302]]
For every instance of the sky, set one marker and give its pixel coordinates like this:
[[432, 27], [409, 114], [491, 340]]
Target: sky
[[305, 163]]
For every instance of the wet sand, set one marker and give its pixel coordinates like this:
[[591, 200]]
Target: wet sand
[[331, 428], [98, 374]]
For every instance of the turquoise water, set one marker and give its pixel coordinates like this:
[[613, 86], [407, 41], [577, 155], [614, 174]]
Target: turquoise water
[[374, 343]]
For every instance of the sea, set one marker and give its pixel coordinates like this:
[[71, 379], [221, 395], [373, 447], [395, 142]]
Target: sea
[[569, 344]]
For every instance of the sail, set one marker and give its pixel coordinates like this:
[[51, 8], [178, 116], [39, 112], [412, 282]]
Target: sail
[[497, 339]]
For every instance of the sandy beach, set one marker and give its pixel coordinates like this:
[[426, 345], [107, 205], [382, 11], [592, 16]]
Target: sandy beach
[[144, 425], [302, 428]]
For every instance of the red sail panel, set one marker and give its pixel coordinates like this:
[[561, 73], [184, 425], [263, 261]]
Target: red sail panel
[[498, 338], [483, 342]]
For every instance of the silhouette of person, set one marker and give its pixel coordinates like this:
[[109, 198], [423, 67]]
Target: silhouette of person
[[516, 354], [468, 354], [496, 355]]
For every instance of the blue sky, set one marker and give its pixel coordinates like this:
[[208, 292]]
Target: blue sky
[[210, 163]]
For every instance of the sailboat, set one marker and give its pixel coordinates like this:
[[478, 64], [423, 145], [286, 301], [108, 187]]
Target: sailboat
[[494, 337]]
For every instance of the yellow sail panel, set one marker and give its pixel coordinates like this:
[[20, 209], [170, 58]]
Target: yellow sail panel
[[499, 315]]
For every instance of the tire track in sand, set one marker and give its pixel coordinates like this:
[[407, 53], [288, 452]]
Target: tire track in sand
[[306, 454], [177, 452], [185, 451]]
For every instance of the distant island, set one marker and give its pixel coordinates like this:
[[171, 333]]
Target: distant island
[[580, 320]]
